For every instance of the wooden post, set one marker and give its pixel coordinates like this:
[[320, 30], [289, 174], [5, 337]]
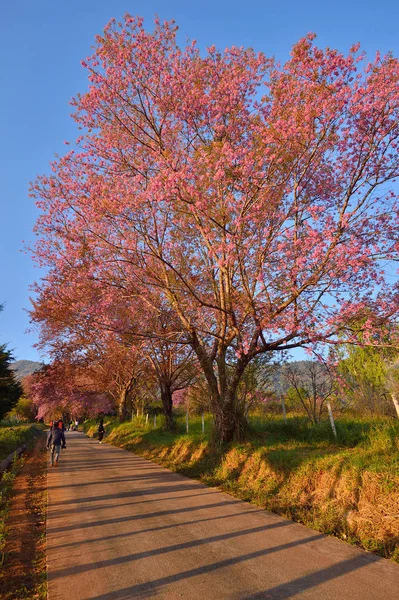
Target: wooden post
[[330, 414], [203, 423], [146, 419], [284, 411], [187, 421]]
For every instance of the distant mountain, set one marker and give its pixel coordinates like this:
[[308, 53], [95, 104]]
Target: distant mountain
[[273, 377], [23, 368], [275, 380]]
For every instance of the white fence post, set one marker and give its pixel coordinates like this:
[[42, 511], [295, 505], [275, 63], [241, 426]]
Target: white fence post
[[146, 419], [186, 421], [330, 414], [395, 402], [155, 421], [203, 423]]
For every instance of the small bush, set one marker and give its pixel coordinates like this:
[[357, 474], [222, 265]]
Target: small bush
[[12, 438]]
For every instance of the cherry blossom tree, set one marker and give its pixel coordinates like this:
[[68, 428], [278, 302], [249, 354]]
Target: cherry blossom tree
[[257, 200], [75, 335], [118, 342], [172, 363], [60, 390]]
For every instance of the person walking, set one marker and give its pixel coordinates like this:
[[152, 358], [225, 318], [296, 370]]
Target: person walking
[[55, 441], [101, 431]]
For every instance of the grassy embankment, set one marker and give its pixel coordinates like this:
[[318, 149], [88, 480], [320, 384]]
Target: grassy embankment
[[11, 438], [348, 488]]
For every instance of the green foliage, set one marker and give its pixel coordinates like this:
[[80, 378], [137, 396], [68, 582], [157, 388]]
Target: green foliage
[[10, 388], [364, 370], [294, 395], [12, 438], [298, 431], [141, 425], [6, 485], [367, 364], [24, 410]]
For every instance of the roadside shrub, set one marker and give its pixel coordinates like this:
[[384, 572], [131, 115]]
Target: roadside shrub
[[12, 438]]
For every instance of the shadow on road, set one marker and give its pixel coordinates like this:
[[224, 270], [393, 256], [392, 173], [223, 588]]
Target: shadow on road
[[301, 584], [124, 519], [163, 527], [75, 569], [90, 507], [151, 588]]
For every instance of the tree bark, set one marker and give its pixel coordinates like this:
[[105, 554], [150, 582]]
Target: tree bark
[[230, 420], [122, 405]]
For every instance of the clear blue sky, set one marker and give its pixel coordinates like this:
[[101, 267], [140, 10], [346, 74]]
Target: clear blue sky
[[41, 45]]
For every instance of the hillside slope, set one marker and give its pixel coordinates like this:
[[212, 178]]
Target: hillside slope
[[22, 368]]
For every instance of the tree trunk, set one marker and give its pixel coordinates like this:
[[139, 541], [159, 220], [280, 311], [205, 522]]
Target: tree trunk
[[167, 404], [230, 421], [122, 405], [395, 403]]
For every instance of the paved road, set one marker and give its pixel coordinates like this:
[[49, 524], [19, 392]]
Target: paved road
[[120, 528]]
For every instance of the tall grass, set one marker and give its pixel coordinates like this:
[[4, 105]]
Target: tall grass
[[381, 434]]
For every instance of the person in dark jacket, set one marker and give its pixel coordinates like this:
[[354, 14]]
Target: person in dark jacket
[[55, 440], [101, 431]]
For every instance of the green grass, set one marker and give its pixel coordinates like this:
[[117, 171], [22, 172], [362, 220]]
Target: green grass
[[13, 437], [375, 440], [350, 431], [6, 486]]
